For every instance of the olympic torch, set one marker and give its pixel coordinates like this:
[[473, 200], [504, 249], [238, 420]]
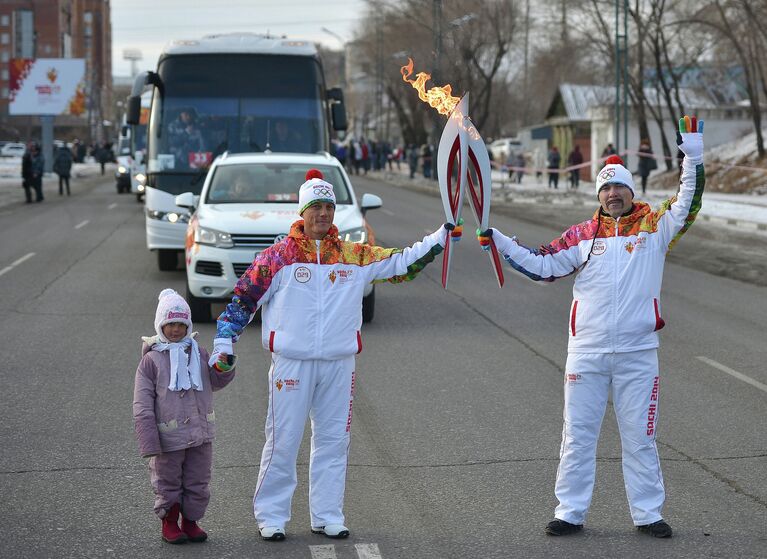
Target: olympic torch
[[462, 164]]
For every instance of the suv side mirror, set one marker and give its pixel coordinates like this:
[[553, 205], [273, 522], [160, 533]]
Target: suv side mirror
[[186, 200], [370, 202]]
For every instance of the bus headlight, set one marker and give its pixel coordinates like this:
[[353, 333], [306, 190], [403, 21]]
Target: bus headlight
[[357, 235], [219, 239], [141, 178], [122, 170], [140, 187]]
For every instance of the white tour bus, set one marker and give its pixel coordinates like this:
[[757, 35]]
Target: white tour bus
[[233, 92]]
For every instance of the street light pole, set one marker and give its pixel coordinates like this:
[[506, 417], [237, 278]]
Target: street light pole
[[436, 77]]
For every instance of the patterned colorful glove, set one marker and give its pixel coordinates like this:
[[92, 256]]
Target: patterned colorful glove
[[484, 238], [224, 363], [456, 231], [690, 137]]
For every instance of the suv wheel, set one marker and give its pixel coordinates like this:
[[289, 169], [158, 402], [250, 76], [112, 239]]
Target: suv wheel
[[200, 307], [167, 260], [369, 306]]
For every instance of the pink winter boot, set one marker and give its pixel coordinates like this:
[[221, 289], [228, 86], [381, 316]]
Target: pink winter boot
[[193, 532], [170, 529]]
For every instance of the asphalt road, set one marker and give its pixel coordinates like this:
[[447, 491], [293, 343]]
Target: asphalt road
[[457, 415]]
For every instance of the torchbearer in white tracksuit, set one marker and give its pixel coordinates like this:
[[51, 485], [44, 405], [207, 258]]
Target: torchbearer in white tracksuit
[[618, 257], [310, 288]]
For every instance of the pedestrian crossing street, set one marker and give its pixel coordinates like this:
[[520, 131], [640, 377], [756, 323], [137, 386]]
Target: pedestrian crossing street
[[363, 551]]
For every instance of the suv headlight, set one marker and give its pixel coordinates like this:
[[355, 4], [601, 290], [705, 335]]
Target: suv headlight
[[219, 239], [357, 235], [171, 217]]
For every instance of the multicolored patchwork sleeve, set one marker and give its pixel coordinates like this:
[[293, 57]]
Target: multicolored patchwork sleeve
[[252, 290], [558, 259], [396, 265], [677, 214]]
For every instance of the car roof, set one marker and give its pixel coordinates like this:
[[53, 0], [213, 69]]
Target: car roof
[[260, 157]]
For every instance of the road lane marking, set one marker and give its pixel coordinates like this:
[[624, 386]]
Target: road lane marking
[[733, 372], [82, 224], [323, 551], [387, 212], [112, 206], [16, 263], [367, 551]]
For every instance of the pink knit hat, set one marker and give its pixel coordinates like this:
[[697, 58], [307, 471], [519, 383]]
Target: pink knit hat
[[172, 308]]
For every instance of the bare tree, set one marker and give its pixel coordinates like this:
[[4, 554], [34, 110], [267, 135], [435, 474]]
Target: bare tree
[[476, 40], [730, 19]]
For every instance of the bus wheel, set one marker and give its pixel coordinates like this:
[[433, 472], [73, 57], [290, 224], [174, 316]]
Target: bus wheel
[[200, 307], [167, 260], [368, 306]]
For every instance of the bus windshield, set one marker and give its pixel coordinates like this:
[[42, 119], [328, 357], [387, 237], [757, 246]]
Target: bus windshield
[[213, 103]]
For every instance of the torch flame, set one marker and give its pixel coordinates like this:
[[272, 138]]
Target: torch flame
[[439, 98]]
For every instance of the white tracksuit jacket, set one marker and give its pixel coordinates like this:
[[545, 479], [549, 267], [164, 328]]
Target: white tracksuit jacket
[[616, 296]]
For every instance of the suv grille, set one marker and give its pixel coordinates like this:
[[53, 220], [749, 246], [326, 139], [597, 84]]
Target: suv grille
[[244, 240], [208, 268], [240, 268]]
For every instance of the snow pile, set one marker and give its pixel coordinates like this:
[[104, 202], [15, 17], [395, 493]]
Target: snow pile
[[733, 167]]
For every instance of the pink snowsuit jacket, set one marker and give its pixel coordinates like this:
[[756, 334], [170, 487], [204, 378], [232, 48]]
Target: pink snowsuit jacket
[[165, 420]]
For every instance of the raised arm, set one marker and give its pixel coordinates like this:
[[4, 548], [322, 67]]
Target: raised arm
[[676, 215]]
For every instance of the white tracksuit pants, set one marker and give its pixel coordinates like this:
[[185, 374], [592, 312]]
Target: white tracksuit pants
[[633, 377], [323, 391]]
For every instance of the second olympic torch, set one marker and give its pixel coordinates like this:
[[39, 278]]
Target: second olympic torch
[[463, 165]]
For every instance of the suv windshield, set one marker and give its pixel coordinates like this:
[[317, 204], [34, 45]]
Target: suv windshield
[[268, 183]]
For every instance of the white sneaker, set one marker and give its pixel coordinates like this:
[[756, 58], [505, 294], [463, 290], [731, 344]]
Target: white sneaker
[[336, 531], [272, 533]]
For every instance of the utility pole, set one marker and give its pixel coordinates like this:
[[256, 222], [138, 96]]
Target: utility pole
[[527, 64], [379, 76], [436, 77], [621, 74]]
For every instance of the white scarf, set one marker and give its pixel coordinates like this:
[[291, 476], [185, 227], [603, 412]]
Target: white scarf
[[184, 374]]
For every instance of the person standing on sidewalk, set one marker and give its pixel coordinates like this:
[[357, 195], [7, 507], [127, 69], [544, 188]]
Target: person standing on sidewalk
[[647, 162], [62, 166], [575, 158], [26, 172], [617, 258], [310, 288], [553, 163], [36, 170]]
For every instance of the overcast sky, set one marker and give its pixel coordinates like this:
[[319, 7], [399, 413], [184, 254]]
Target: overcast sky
[[147, 25]]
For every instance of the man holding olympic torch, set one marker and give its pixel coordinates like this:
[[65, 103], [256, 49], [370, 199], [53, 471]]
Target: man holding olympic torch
[[617, 257]]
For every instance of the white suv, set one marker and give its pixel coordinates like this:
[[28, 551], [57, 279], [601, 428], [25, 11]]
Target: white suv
[[248, 202]]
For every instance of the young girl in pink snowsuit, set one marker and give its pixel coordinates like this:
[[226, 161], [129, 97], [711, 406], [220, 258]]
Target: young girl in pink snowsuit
[[174, 419]]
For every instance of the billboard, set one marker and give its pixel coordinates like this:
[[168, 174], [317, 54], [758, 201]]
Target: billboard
[[47, 86]]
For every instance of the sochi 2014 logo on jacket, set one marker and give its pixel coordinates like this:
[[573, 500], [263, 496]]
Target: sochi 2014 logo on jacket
[[302, 274], [599, 247]]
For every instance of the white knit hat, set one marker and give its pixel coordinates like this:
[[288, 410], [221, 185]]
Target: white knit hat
[[172, 308], [615, 173], [314, 190]]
